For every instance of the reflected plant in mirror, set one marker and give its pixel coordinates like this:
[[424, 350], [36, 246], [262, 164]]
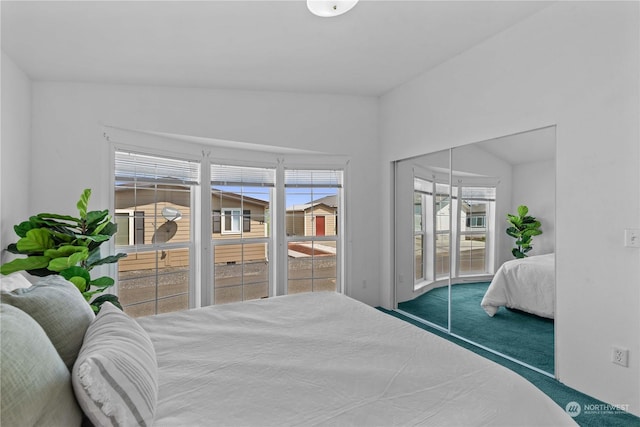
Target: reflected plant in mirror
[[523, 228]]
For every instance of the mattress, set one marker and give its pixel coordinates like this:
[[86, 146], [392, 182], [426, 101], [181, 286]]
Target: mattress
[[527, 284], [326, 359]]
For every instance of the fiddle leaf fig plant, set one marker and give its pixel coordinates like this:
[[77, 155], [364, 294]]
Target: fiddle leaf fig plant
[[522, 227], [68, 246]]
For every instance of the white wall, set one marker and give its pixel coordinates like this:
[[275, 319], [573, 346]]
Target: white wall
[[15, 152], [574, 64], [534, 185], [70, 153]]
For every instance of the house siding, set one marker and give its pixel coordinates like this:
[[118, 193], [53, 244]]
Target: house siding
[[143, 203]]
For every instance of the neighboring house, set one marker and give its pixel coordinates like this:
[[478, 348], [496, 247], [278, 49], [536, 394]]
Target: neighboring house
[[163, 216], [317, 218]]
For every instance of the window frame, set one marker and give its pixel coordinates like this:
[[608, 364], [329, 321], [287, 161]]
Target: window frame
[[201, 271]]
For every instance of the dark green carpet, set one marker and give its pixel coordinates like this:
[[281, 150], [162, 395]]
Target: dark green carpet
[[594, 413], [520, 335]]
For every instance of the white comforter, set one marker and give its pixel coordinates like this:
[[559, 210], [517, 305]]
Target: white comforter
[[325, 359], [526, 284]]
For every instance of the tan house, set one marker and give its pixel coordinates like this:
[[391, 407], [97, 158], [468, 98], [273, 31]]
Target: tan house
[[317, 218], [163, 215]]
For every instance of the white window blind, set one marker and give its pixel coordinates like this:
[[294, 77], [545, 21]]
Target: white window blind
[[325, 178], [479, 193], [422, 186], [242, 176], [140, 167]]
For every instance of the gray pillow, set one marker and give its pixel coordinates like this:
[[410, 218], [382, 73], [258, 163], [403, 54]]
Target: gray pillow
[[59, 307], [35, 383], [115, 377]]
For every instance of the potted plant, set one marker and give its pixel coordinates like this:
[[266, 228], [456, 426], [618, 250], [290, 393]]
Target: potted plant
[[523, 228], [68, 246]]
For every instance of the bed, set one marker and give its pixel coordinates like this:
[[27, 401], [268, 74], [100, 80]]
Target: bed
[[301, 360], [526, 284]]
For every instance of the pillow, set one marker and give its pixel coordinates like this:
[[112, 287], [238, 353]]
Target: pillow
[[115, 377], [35, 383], [59, 307], [13, 281]]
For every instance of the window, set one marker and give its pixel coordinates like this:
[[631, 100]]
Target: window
[[476, 221], [431, 230], [474, 234], [472, 213], [241, 198], [231, 220], [256, 249], [153, 203], [130, 227], [313, 213]]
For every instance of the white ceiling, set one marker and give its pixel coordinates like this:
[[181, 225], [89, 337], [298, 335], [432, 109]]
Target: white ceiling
[[252, 45]]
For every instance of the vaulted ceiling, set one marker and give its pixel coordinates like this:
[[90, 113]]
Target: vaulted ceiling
[[248, 45]]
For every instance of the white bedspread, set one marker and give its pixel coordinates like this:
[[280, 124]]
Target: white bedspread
[[526, 284], [325, 359]]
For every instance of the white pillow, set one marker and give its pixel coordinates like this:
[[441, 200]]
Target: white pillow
[[115, 376], [35, 383], [13, 281], [59, 307]]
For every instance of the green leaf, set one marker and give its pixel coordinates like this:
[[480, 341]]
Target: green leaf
[[94, 256], [22, 228], [19, 264], [102, 282], [513, 232], [76, 271], [523, 210], [517, 253], [83, 203], [109, 229], [54, 219], [36, 240], [65, 251], [13, 248], [106, 260], [65, 236], [96, 238], [80, 282], [102, 226], [63, 263], [95, 217], [104, 298]]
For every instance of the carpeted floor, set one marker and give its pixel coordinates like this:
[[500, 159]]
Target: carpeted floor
[[504, 332], [593, 412]]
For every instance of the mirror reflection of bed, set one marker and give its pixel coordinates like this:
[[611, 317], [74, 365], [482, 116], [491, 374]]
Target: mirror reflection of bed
[[466, 280]]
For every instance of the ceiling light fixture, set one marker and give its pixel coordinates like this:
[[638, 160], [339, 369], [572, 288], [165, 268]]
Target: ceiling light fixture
[[329, 8]]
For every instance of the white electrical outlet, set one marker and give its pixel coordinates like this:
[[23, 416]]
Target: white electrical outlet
[[620, 356]]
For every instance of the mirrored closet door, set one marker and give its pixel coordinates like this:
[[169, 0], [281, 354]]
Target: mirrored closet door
[[454, 261]]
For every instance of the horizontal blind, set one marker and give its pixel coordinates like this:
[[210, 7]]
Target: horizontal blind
[[326, 178], [242, 176], [479, 193], [422, 186], [131, 166]]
